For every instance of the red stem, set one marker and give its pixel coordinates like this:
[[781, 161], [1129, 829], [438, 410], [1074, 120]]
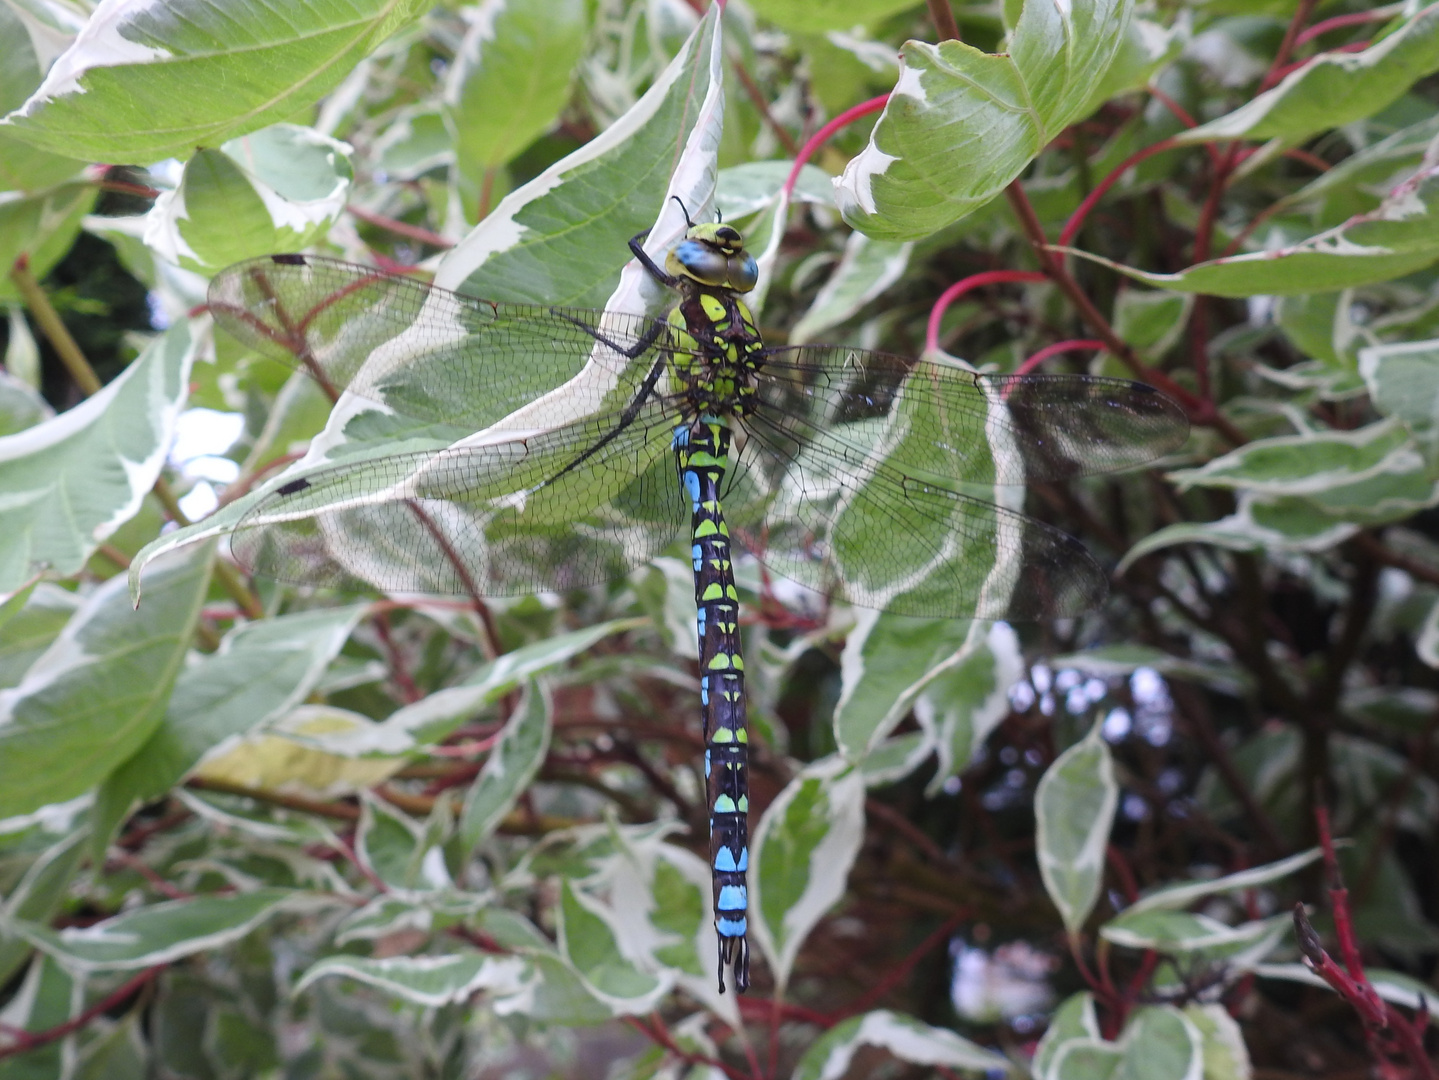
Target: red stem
[[1173, 106], [959, 288], [400, 228], [1286, 47], [1072, 345], [26, 1041], [1353, 46], [654, 1029], [820, 137], [901, 970], [1338, 22], [1076, 220]]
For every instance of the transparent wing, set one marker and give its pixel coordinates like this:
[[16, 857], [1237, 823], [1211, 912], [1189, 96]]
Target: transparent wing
[[423, 351], [951, 424], [575, 506], [826, 509]]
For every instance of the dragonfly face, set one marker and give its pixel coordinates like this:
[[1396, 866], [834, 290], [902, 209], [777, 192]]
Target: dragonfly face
[[713, 256]]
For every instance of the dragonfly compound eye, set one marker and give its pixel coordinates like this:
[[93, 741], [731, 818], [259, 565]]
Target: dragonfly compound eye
[[743, 272], [702, 262]]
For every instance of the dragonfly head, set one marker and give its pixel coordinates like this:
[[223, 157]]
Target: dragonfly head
[[713, 255]]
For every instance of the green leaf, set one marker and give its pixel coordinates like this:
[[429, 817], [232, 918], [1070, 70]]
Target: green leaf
[[588, 942], [1403, 381], [887, 661], [1367, 175], [261, 671], [1160, 1044], [513, 762], [1147, 46], [69, 483], [748, 188], [1074, 808], [1150, 321], [279, 189], [1085, 1059], [803, 849], [1392, 986], [962, 124], [1398, 237], [1170, 932], [819, 16], [37, 896], [1074, 1019], [161, 933], [1334, 89], [908, 1039], [99, 691], [1222, 1047], [511, 77], [967, 697], [46, 998], [1182, 894], [562, 238], [42, 227], [391, 913], [1259, 522], [1113, 661], [158, 80], [866, 269], [654, 899], [1309, 321], [22, 166], [22, 369], [895, 758], [28, 632], [21, 406], [435, 716], [391, 845], [1307, 464], [430, 981]]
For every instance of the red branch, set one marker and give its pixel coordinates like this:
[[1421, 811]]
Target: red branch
[[1076, 220], [25, 1041], [1390, 1034], [1072, 345], [1340, 21], [959, 288], [820, 137]]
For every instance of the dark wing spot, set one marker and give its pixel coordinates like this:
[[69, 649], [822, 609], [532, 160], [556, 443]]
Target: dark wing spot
[[293, 486], [289, 260]]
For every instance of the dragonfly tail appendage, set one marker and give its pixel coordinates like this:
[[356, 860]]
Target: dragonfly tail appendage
[[702, 449]]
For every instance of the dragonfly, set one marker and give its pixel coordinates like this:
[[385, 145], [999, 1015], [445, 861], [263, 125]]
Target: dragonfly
[[575, 445]]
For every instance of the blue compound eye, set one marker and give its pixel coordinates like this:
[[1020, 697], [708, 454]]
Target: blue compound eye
[[743, 272], [703, 263]]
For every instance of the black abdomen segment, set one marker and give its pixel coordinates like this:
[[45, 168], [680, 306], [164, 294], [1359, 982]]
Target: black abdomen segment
[[701, 450]]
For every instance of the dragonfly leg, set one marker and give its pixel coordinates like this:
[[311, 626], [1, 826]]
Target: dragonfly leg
[[650, 336], [655, 270]]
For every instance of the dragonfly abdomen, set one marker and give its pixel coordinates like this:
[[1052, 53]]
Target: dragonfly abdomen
[[702, 450]]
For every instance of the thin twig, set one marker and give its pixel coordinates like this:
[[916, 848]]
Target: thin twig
[[53, 327], [25, 1041], [942, 16]]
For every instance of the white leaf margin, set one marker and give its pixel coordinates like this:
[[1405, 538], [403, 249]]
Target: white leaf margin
[[829, 861]]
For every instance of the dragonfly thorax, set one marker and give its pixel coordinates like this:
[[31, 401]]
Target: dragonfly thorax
[[719, 352]]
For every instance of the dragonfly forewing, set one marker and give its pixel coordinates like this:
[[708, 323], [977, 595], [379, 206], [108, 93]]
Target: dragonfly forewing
[[422, 351]]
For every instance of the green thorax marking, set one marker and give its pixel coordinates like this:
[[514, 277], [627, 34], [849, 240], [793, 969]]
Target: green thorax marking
[[712, 269]]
